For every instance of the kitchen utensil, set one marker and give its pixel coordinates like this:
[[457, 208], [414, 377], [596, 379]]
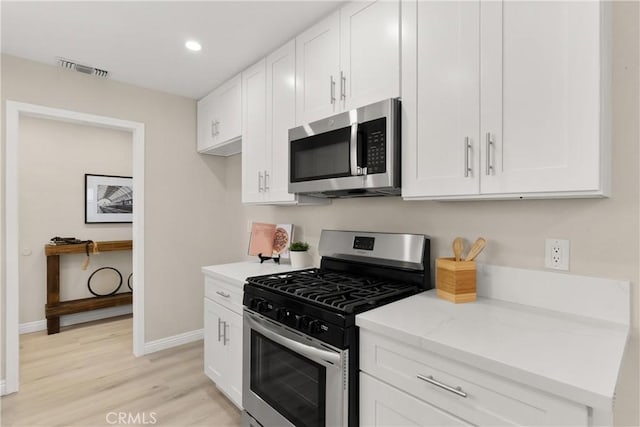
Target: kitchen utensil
[[458, 248], [475, 250]]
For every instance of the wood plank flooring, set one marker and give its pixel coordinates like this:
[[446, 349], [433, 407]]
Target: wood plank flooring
[[88, 376]]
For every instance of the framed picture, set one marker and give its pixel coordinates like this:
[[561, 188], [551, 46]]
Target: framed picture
[[108, 199]]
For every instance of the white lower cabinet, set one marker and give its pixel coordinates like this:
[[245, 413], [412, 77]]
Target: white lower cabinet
[[223, 349], [406, 385]]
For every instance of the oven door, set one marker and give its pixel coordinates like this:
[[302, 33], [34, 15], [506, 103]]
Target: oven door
[[290, 379]]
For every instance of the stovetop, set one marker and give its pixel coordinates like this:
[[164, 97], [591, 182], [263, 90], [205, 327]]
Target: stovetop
[[342, 292], [358, 271]]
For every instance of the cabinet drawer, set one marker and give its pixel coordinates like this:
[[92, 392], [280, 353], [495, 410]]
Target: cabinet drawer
[[489, 400], [225, 293], [382, 405]]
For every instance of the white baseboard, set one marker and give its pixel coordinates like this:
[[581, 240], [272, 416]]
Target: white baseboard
[[3, 388], [72, 319], [173, 341]]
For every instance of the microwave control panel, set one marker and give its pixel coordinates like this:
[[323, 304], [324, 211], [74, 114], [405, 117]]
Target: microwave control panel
[[376, 145]]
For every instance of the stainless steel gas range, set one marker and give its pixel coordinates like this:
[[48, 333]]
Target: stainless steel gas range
[[300, 357]]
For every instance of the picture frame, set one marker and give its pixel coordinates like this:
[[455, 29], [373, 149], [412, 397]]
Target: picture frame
[[108, 199]]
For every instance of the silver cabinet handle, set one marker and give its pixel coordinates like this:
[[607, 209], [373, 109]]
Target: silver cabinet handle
[[266, 180], [430, 380], [222, 294], [213, 128], [219, 334], [489, 147], [217, 127], [259, 182], [224, 333], [467, 147], [333, 89], [343, 86]]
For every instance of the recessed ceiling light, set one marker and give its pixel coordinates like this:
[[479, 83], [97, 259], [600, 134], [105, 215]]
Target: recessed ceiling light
[[193, 45]]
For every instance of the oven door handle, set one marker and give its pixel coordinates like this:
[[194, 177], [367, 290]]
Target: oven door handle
[[326, 358]]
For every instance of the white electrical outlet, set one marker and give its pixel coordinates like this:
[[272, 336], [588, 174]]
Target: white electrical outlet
[[556, 254]]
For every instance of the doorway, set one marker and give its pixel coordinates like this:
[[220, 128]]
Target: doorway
[[14, 112]]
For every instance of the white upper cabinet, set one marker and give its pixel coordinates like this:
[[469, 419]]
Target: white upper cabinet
[[268, 113], [350, 59], [219, 119], [505, 99], [281, 114], [369, 52], [254, 143], [441, 82], [317, 70]]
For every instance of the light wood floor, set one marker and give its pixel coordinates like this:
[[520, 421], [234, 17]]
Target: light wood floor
[[81, 375]]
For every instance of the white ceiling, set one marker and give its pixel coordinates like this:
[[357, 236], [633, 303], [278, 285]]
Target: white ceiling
[[142, 42]]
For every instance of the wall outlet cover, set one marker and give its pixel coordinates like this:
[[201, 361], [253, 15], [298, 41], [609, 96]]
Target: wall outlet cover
[[556, 254]]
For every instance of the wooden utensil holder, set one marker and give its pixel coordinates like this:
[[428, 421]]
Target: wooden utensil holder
[[456, 280]]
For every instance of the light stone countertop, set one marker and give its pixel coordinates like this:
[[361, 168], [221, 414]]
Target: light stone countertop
[[564, 354], [238, 272]]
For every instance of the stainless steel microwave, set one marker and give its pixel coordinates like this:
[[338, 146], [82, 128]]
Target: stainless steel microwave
[[355, 153]]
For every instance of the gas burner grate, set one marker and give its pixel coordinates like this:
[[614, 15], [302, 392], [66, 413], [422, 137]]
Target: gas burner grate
[[338, 291]]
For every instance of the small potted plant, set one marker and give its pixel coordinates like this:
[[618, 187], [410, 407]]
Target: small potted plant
[[298, 252]]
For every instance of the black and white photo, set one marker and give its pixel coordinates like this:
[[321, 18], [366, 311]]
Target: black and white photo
[[108, 199]]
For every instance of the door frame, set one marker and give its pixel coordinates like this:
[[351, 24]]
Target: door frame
[[14, 111]]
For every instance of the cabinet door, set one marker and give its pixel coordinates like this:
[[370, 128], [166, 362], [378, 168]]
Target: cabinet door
[[214, 351], [540, 106], [233, 348], [230, 110], [384, 405], [369, 52], [281, 106], [317, 70], [206, 122], [254, 144], [441, 96]]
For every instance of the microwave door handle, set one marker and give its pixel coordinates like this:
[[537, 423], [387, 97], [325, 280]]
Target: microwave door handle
[[353, 145], [328, 359]]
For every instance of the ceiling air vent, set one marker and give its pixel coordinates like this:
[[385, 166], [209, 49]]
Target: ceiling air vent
[[85, 69]]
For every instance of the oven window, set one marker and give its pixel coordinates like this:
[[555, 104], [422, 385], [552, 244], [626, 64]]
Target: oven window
[[321, 156], [291, 384]]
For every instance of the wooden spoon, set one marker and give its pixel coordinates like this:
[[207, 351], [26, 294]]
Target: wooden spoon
[[458, 248], [475, 250]]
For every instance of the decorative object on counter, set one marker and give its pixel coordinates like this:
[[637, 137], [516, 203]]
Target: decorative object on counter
[[130, 282], [270, 241], [456, 279], [102, 277], [281, 240], [108, 199], [475, 250], [458, 248], [263, 258], [299, 256]]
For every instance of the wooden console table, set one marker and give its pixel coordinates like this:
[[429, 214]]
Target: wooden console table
[[56, 308]]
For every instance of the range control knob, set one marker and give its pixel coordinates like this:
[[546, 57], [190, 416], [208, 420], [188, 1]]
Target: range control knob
[[255, 302], [281, 314], [263, 306], [315, 327], [303, 322]]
